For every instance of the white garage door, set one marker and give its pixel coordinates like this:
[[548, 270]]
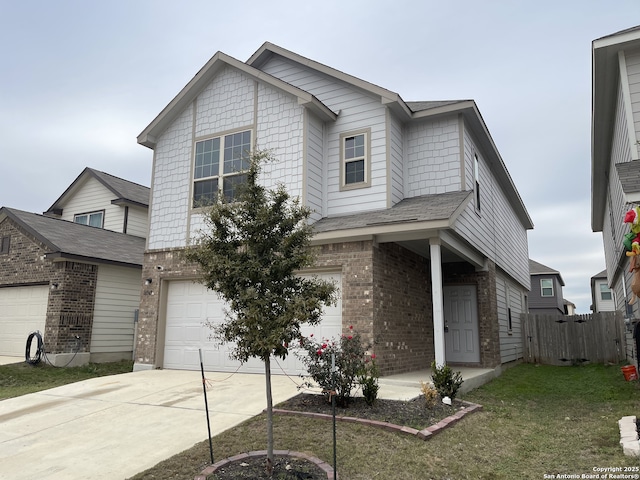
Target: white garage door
[[190, 305], [22, 311]]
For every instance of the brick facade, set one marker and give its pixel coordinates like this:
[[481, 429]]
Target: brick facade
[[386, 297], [70, 305]]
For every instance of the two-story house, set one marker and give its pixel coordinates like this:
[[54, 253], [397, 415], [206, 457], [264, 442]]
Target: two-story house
[[601, 295], [615, 154], [416, 218], [74, 272], [546, 290]]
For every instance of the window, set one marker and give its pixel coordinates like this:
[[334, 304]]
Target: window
[[546, 286], [476, 178], [355, 160], [4, 244], [219, 163], [605, 292], [93, 219]]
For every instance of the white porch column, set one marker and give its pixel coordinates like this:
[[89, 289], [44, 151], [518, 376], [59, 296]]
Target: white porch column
[[436, 294]]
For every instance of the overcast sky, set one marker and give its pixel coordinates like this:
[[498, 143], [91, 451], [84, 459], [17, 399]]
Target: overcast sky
[[79, 80]]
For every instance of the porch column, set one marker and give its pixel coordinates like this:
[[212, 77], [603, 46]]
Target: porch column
[[436, 294]]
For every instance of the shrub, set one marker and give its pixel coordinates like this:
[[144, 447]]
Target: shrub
[[446, 382], [368, 380], [349, 361], [429, 393]]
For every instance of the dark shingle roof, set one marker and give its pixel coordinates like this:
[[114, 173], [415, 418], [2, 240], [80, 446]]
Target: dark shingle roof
[[536, 268], [629, 173], [123, 190], [68, 239], [417, 209]]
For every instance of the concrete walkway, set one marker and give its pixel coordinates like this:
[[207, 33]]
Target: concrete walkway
[[114, 427], [7, 360]]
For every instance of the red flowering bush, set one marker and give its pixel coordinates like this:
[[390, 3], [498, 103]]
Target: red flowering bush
[[349, 362]]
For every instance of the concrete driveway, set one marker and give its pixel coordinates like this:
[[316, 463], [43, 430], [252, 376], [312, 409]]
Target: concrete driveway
[[114, 427]]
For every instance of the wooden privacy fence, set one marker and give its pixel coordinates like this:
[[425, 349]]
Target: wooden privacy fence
[[575, 339]]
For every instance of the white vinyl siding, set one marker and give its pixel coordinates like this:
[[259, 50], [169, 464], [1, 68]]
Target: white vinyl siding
[[137, 221], [633, 77], [117, 299], [315, 177], [93, 196], [396, 151], [497, 233], [613, 228], [509, 296], [357, 111]]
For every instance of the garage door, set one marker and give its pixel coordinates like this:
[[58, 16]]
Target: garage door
[[22, 311], [190, 306]]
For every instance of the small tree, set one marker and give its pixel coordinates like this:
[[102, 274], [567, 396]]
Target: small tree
[[250, 253]]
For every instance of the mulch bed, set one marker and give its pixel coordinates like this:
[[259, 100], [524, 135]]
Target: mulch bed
[[411, 413]]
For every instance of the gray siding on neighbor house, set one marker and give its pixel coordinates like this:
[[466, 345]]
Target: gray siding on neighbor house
[[315, 177], [540, 304], [632, 61], [396, 158]]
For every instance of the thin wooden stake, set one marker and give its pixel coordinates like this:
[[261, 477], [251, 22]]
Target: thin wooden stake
[[206, 406]]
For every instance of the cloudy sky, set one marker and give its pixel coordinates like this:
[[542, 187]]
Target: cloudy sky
[[79, 80]]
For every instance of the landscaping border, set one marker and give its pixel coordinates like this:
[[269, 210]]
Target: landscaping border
[[328, 469], [424, 434]]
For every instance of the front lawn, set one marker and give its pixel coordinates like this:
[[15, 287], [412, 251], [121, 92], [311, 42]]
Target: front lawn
[[536, 420], [21, 378]]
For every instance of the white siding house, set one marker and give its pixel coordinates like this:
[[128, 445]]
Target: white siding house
[[413, 208]]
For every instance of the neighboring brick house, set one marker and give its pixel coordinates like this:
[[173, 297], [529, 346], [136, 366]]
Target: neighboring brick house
[[546, 290], [416, 217], [79, 285]]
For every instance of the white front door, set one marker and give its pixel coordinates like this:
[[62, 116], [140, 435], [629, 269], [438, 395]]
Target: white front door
[[462, 344]]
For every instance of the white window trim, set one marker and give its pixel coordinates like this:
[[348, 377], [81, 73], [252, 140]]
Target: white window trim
[[367, 160], [542, 288], [221, 175], [476, 183], [88, 215], [608, 290]]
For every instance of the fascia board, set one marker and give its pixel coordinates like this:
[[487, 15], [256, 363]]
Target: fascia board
[[61, 256], [412, 230], [29, 230]]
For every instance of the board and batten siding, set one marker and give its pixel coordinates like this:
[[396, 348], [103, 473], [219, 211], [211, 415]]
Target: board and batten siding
[[358, 110], [93, 196], [509, 295], [496, 230], [433, 157], [172, 176], [117, 299]]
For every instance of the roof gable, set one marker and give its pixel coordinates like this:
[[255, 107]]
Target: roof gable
[[537, 269], [70, 240], [125, 192], [148, 137]]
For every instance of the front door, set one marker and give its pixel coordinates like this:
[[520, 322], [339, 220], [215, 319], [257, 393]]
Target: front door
[[461, 324]]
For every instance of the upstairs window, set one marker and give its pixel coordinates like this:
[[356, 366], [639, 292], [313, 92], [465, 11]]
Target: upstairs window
[[355, 160], [546, 287], [605, 292], [476, 179], [219, 166], [4, 244], [93, 219]]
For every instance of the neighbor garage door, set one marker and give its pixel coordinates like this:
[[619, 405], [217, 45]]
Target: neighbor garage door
[[22, 311], [190, 306]]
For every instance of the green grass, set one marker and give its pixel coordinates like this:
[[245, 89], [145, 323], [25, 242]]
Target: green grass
[[21, 378], [536, 420]]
